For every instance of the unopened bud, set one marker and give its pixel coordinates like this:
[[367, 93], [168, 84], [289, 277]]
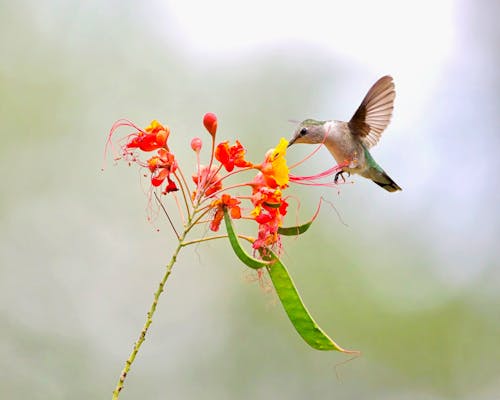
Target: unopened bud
[[196, 144], [210, 122]]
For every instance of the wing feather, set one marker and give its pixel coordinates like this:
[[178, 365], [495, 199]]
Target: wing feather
[[375, 112]]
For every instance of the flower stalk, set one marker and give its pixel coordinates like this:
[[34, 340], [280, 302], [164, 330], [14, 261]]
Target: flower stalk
[[149, 320], [156, 297], [210, 202]]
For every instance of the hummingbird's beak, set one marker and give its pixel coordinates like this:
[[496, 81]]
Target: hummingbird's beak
[[291, 142]]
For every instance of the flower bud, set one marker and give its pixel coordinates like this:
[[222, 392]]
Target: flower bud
[[210, 122], [196, 144]]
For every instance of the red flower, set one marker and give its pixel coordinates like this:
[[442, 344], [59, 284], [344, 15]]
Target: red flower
[[161, 166], [231, 156], [154, 137], [226, 201]]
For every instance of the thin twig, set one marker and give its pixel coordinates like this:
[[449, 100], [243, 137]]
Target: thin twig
[[168, 216], [205, 239], [195, 221]]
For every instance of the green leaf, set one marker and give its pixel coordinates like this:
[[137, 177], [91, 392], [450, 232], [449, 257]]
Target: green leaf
[[240, 252], [294, 230], [302, 321]]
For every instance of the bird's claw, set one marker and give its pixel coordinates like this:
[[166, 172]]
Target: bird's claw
[[341, 174]]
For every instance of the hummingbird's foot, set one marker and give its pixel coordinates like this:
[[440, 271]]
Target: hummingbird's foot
[[340, 173]]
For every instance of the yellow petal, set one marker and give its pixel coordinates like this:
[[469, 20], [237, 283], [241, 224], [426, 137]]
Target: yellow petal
[[280, 169], [280, 149], [256, 211]]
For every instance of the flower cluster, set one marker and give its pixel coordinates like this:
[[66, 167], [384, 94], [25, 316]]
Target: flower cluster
[[268, 206]]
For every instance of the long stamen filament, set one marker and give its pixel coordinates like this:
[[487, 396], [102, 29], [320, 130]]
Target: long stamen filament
[[312, 152], [227, 175], [179, 208], [207, 184]]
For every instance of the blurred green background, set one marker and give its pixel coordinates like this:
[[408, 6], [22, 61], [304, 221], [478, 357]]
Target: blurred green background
[[412, 280]]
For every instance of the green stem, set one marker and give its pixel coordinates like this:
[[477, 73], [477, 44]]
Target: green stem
[[149, 319], [206, 239]]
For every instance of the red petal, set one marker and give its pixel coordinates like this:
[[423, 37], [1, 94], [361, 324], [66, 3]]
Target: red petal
[[171, 187], [148, 143], [283, 207], [157, 180], [263, 218], [222, 152], [235, 212]]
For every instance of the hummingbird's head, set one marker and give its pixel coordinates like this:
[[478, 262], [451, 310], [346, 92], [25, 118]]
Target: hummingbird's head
[[309, 131]]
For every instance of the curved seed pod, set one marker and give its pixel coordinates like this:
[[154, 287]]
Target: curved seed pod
[[299, 229], [294, 230], [297, 311], [240, 252]]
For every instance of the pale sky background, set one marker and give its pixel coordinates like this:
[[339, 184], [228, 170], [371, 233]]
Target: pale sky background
[[413, 280]]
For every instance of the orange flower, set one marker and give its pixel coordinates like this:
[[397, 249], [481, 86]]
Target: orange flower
[[226, 201], [154, 137], [231, 156], [161, 166]]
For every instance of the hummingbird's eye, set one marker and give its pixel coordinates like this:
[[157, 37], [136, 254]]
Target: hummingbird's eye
[[303, 131]]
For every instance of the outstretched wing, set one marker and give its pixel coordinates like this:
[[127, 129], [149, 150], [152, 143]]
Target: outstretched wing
[[375, 112]]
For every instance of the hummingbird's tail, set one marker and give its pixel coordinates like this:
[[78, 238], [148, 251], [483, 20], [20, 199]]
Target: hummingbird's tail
[[385, 181], [378, 175]]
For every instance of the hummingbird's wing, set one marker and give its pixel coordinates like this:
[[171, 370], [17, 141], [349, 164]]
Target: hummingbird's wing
[[374, 113]]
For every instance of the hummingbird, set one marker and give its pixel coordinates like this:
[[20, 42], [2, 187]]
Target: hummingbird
[[349, 142]]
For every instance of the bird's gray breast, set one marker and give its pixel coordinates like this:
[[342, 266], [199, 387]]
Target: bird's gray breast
[[344, 147]]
